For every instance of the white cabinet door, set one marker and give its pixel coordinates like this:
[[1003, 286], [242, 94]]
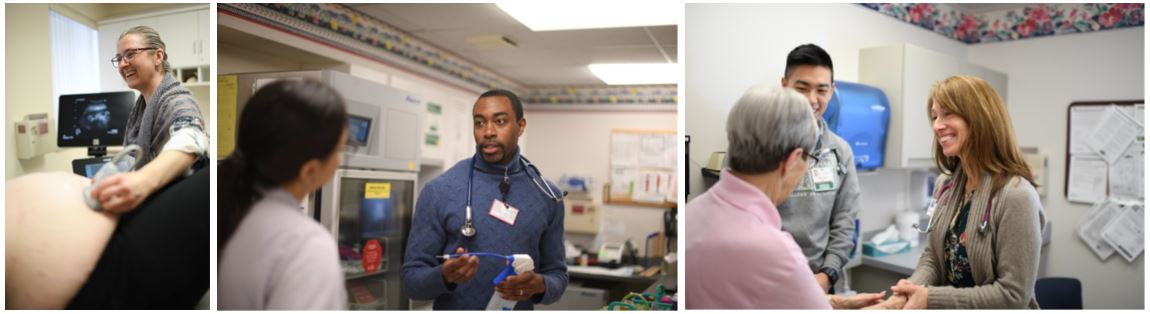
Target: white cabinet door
[[923, 69], [996, 79], [906, 73], [179, 34], [204, 38], [882, 67]]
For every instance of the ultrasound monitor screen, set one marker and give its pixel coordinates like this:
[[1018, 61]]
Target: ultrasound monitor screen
[[357, 130], [94, 119]]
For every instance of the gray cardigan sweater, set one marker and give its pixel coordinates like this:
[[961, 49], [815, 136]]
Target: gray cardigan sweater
[[153, 121], [1003, 260]]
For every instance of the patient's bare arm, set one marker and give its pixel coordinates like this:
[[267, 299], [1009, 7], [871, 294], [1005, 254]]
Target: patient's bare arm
[[53, 240]]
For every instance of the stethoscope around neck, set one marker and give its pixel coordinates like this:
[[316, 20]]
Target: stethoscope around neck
[[942, 194], [468, 229]]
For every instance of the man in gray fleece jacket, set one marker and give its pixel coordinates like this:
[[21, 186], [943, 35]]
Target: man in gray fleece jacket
[[820, 214]]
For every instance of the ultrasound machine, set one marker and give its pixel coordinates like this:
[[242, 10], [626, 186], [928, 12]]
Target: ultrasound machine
[[95, 121]]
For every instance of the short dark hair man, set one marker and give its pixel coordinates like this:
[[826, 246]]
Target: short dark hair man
[[820, 214], [522, 219]]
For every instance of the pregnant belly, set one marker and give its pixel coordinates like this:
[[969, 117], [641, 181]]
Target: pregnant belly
[[53, 240]]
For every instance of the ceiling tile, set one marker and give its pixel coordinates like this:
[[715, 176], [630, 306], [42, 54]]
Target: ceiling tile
[[541, 58]]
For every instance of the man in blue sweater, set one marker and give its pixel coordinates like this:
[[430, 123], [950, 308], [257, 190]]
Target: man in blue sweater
[[514, 211]]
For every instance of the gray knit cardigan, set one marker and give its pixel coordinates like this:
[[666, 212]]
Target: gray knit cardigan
[[1003, 260]]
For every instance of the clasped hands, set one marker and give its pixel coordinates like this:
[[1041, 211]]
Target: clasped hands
[[907, 296]]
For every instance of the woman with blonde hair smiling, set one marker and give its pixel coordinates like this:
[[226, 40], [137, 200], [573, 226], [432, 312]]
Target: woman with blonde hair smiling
[[984, 237]]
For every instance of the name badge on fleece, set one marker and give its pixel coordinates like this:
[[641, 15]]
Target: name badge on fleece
[[823, 177], [503, 212]]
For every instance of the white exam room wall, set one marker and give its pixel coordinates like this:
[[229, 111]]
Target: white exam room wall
[[733, 47], [1046, 75], [578, 143]]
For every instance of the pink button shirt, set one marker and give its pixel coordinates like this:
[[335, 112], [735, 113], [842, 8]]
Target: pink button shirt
[[738, 256]]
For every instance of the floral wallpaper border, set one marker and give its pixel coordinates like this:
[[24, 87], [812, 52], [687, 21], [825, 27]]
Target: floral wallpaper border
[[365, 30], [1034, 20], [365, 34], [636, 94]]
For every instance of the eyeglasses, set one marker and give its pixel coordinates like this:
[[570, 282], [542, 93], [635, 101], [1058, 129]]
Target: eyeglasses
[[128, 54], [816, 153]]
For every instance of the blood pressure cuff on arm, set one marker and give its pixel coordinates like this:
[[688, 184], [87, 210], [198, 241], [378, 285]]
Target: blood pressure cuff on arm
[[187, 135]]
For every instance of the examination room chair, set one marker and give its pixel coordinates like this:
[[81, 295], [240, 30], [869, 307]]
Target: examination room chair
[[1058, 293]]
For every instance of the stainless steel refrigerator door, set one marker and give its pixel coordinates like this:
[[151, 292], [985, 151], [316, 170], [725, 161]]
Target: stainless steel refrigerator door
[[369, 212]]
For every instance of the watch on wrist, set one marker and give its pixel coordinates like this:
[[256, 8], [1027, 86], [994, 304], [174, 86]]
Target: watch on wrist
[[832, 274]]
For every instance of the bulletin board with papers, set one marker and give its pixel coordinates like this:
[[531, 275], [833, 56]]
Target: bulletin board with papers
[[643, 168], [1105, 149], [1104, 167]]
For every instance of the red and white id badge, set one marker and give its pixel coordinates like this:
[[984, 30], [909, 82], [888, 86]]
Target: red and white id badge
[[503, 212]]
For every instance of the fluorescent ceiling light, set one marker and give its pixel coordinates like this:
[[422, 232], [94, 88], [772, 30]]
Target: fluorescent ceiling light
[[636, 73], [549, 16]]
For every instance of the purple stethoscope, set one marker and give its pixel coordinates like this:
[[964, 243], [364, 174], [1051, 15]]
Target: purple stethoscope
[[943, 193]]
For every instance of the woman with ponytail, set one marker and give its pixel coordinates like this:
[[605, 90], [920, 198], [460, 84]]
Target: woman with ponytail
[[272, 256]]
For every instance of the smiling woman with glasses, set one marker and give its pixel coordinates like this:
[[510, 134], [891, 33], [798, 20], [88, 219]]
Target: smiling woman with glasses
[[147, 246], [167, 124]]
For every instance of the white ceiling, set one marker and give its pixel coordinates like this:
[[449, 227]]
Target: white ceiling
[[554, 58]]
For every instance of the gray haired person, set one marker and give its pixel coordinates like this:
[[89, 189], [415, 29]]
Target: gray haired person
[[738, 256], [762, 128]]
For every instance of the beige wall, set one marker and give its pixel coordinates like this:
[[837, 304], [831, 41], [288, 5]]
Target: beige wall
[[1046, 75], [28, 85], [28, 65], [578, 143]]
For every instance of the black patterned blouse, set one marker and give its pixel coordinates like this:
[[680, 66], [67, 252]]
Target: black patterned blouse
[[958, 273]]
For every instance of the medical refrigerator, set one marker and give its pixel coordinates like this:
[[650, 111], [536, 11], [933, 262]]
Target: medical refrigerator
[[369, 213]]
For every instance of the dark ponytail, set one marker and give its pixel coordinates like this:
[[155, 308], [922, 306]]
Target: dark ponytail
[[235, 196], [283, 126]]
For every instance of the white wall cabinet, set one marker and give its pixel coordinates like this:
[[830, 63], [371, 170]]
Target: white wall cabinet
[[995, 78], [186, 34], [203, 34], [179, 34], [906, 74]]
